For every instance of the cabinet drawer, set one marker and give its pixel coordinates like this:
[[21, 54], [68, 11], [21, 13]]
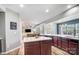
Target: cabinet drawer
[[46, 42], [31, 44]]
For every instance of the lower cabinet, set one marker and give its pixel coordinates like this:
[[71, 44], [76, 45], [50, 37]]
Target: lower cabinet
[[69, 45], [55, 41], [37, 48], [45, 47], [32, 48], [73, 47], [65, 44], [59, 42]]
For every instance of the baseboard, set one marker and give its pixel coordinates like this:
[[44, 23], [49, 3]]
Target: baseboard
[[12, 52]]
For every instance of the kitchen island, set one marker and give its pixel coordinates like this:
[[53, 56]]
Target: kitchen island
[[37, 46]]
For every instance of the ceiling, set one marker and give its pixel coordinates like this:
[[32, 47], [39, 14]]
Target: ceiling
[[35, 13]]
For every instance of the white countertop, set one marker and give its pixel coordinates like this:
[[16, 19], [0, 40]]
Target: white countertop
[[33, 39], [64, 36]]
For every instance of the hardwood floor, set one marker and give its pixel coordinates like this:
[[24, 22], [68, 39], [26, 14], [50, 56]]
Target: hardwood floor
[[57, 51]]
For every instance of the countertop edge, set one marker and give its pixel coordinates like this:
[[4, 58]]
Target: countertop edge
[[63, 36]]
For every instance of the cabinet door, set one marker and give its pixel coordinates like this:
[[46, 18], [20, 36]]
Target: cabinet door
[[59, 42], [73, 47], [55, 41], [52, 43], [65, 44], [46, 47], [32, 48]]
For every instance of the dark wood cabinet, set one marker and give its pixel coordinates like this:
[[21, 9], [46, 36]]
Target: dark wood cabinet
[[55, 41], [52, 43], [32, 48], [73, 47], [46, 47], [59, 42], [69, 45], [65, 44], [38, 48]]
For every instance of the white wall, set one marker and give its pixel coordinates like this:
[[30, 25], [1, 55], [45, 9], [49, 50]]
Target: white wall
[[50, 28], [41, 29], [13, 37], [47, 28]]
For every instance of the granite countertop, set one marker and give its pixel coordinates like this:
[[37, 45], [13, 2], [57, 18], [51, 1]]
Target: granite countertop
[[33, 39], [64, 36]]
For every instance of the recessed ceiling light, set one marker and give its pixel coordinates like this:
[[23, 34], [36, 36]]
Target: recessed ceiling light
[[21, 5], [47, 11], [69, 6]]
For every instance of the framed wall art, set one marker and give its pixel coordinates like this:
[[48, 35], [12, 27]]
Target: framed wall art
[[13, 25]]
